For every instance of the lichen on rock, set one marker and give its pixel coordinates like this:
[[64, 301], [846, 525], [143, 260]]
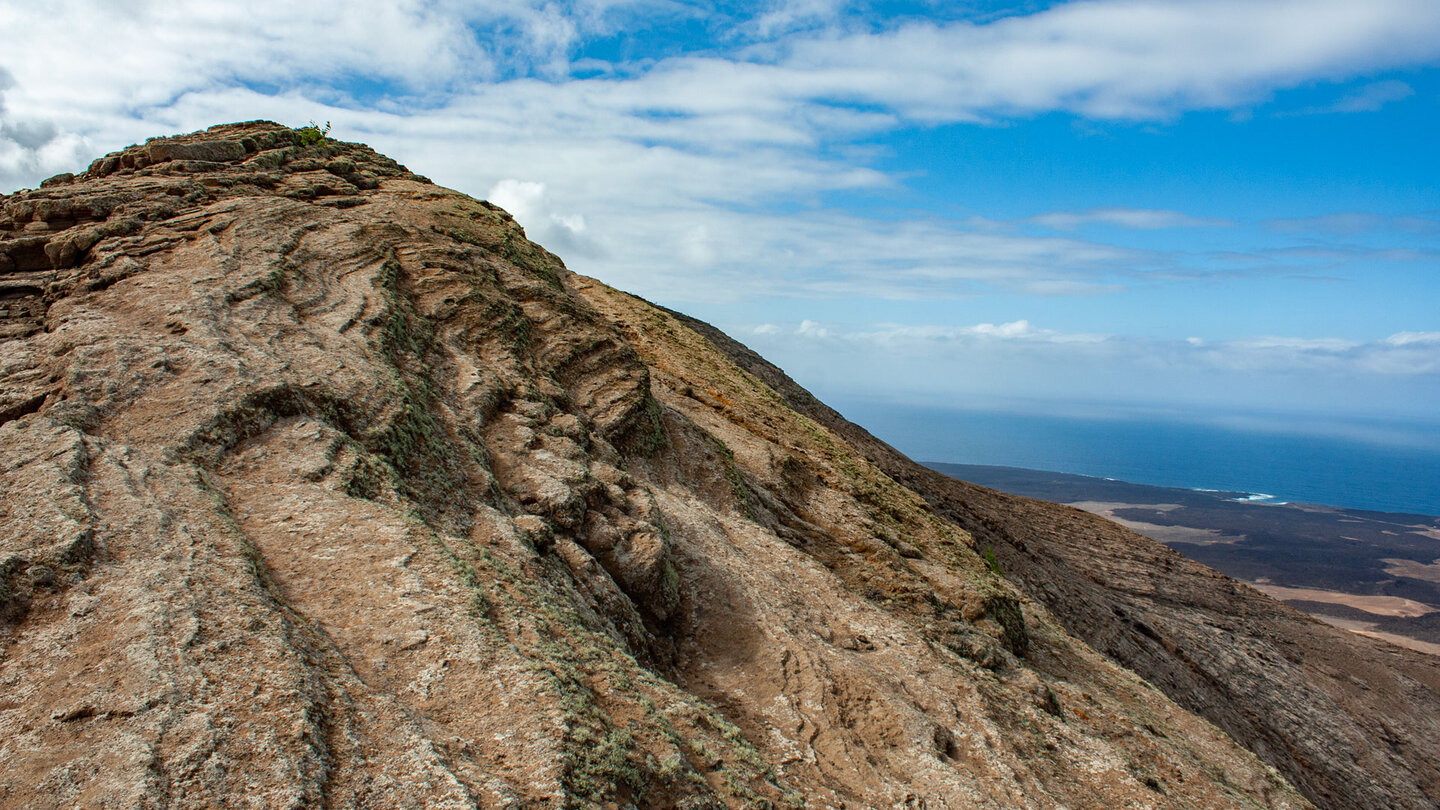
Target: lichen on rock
[[324, 486]]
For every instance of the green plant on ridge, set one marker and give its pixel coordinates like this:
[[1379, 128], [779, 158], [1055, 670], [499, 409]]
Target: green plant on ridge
[[313, 133], [992, 562]]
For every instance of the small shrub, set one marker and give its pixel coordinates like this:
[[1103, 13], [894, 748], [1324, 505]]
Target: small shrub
[[313, 133], [992, 562]]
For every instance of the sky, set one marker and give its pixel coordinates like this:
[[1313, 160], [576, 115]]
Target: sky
[[1192, 208]]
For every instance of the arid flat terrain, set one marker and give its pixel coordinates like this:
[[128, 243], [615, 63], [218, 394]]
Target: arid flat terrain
[[1371, 572]]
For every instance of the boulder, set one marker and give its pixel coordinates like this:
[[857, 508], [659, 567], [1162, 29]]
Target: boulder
[[221, 151]]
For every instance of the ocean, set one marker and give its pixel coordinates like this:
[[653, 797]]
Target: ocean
[[1388, 476]]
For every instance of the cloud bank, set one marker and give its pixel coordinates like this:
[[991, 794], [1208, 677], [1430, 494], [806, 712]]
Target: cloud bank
[[700, 168], [1400, 354], [789, 76]]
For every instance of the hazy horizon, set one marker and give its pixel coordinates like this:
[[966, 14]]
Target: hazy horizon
[[1389, 466], [1207, 208]]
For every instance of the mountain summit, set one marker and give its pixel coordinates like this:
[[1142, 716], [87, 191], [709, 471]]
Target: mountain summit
[[322, 486]]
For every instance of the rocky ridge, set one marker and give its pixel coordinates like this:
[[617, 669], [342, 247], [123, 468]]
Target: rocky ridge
[[1350, 720], [320, 485]]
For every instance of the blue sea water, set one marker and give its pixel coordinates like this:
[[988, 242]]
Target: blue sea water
[[1391, 476]]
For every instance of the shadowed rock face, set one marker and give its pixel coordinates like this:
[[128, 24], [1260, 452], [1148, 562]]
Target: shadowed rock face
[[1351, 721], [321, 485]]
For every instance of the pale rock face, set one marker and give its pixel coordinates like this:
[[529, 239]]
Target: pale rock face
[[321, 485]]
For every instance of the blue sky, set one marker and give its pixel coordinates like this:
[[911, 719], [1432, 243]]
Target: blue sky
[[1187, 207]]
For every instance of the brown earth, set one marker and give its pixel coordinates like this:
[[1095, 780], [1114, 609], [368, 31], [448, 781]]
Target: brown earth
[[1415, 570], [1165, 534], [1371, 629], [1378, 605], [321, 486], [1352, 721]]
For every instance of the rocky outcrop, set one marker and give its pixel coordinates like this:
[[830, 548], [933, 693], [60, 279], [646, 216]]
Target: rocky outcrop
[[320, 485], [1350, 720]]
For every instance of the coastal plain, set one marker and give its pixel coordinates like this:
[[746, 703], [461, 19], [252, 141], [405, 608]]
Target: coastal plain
[[1376, 573]]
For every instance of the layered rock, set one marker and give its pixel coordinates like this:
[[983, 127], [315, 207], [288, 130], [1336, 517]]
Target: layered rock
[[1351, 720], [320, 485]]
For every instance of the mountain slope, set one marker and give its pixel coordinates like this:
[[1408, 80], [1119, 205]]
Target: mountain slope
[[321, 485], [1352, 721]]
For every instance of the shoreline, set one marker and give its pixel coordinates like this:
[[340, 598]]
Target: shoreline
[[1363, 570]]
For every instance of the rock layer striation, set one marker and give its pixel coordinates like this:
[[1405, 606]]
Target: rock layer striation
[[322, 486], [1352, 721]]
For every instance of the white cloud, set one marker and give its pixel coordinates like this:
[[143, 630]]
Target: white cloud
[[812, 329], [697, 173], [1414, 339], [663, 176], [465, 61], [1126, 59], [519, 197], [531, 207], [1292, 344], [1399, 355], [791, 15], [696, 247], [1372, 97], [736, 255], [1021, 330], [1351, 223], [1136, 218], [971, 365]]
